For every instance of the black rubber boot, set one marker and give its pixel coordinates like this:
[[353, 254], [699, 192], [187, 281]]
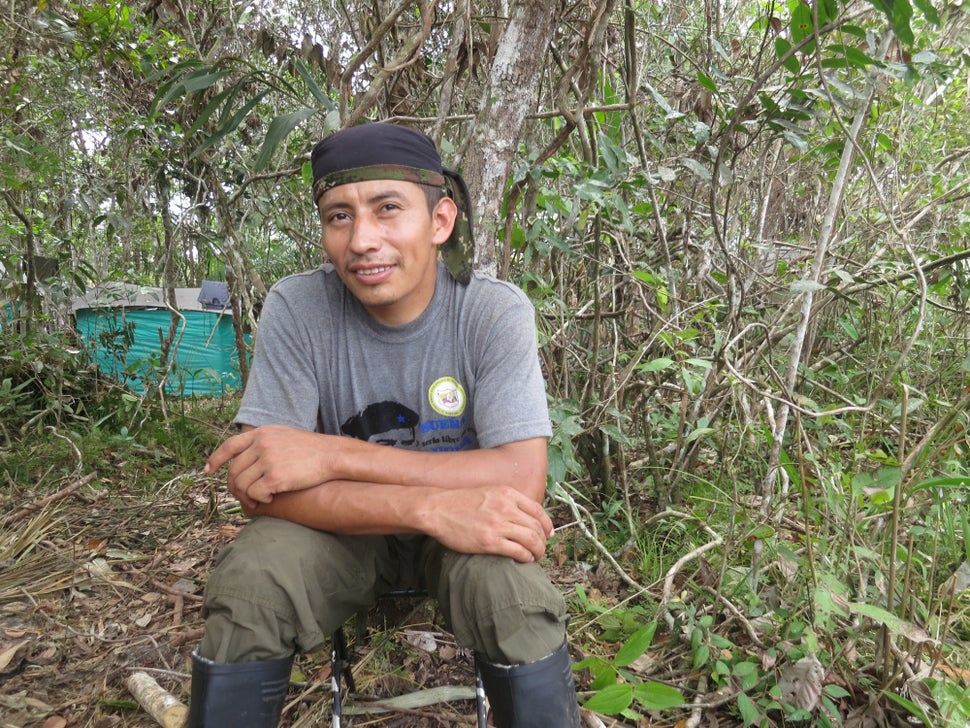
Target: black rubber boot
[[537, 694], [238, 694]]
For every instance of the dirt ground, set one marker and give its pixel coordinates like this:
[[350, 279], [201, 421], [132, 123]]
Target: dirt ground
[[101, 576], [101, 582]]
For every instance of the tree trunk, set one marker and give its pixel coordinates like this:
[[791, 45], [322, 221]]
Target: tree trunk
[[23, 316], [511, 94]]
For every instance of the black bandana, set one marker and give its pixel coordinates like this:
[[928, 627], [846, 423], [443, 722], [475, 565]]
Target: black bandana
[[388, 151]]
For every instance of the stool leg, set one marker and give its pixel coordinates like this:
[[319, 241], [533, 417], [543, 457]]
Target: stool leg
[[480, 697], [345, 666], [335, 659], [339, 663]]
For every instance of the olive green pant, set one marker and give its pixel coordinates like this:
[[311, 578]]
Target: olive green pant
[[280, 587]]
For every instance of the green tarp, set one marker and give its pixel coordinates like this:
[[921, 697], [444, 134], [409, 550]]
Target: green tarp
[[123, 326]]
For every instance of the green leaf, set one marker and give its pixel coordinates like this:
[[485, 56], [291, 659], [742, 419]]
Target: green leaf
[[278, 130], [902, 13], [748, 710], [802, 23], [697, 168], [613, 156], [857, 58], [854, 30], [762, 532], [210, 109], [202, 79], [883, 6], [604, 674], [611, 700], [782, 48], [702, 134], [721, 50], [657, 97], [605, 677], [850, 329], [827, 10], [167, 93], [657, 696], [636, 645], [230, 126], [894, 624], [311, 84], [236, 119], [829, 598], [913, 708], [806, 286], [929, 12], [696, 362], [707, 82], [747, 673], [656, 365], [173, 70], [556, 468], [235, 90], [958, 481], [702, 656], [698, 432]]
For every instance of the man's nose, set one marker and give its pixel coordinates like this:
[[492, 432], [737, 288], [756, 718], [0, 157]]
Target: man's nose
[[365, 236]]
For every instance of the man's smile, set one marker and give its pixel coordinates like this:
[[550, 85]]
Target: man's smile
[[370, 272]]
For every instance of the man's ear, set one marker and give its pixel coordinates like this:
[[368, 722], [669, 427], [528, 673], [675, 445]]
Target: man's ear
[[443, 220]]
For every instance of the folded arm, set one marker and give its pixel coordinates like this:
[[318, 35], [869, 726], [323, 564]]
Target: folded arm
[[473, 501]]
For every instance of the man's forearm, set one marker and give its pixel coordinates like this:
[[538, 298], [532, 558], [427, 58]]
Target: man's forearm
[[496, 520], [521, 465], [267, 461], [350, 508]]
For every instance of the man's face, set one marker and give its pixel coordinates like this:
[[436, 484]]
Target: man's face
[[383, 243]]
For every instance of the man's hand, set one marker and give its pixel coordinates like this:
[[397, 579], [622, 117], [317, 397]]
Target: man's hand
[[492, 520], [274, 459]]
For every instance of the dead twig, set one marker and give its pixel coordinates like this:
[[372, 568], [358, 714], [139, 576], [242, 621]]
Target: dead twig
[[672, 572], [163, 587], [53, 497]]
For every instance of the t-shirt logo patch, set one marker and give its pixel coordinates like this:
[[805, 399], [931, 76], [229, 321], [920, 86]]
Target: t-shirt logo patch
[[447, 396]]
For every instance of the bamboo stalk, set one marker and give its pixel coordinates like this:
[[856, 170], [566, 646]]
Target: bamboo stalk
[[161, 705]]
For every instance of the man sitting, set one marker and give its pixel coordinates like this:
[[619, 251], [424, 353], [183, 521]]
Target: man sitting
[[393, 435]]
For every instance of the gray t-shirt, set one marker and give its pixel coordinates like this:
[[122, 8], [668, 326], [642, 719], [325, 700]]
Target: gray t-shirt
[[465, 374]]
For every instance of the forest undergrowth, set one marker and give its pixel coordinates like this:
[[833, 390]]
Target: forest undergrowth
[[699, 612]]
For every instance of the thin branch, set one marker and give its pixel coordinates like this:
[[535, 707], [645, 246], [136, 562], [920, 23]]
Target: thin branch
[[52, 498], [672, 572]]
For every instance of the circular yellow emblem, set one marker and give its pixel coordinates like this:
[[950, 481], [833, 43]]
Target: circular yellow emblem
[[447, 396]]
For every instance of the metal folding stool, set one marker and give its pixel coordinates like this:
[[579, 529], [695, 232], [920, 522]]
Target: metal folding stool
[[341, 666]]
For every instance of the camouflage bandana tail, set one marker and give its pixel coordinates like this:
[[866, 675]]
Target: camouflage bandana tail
[[458, 252]]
